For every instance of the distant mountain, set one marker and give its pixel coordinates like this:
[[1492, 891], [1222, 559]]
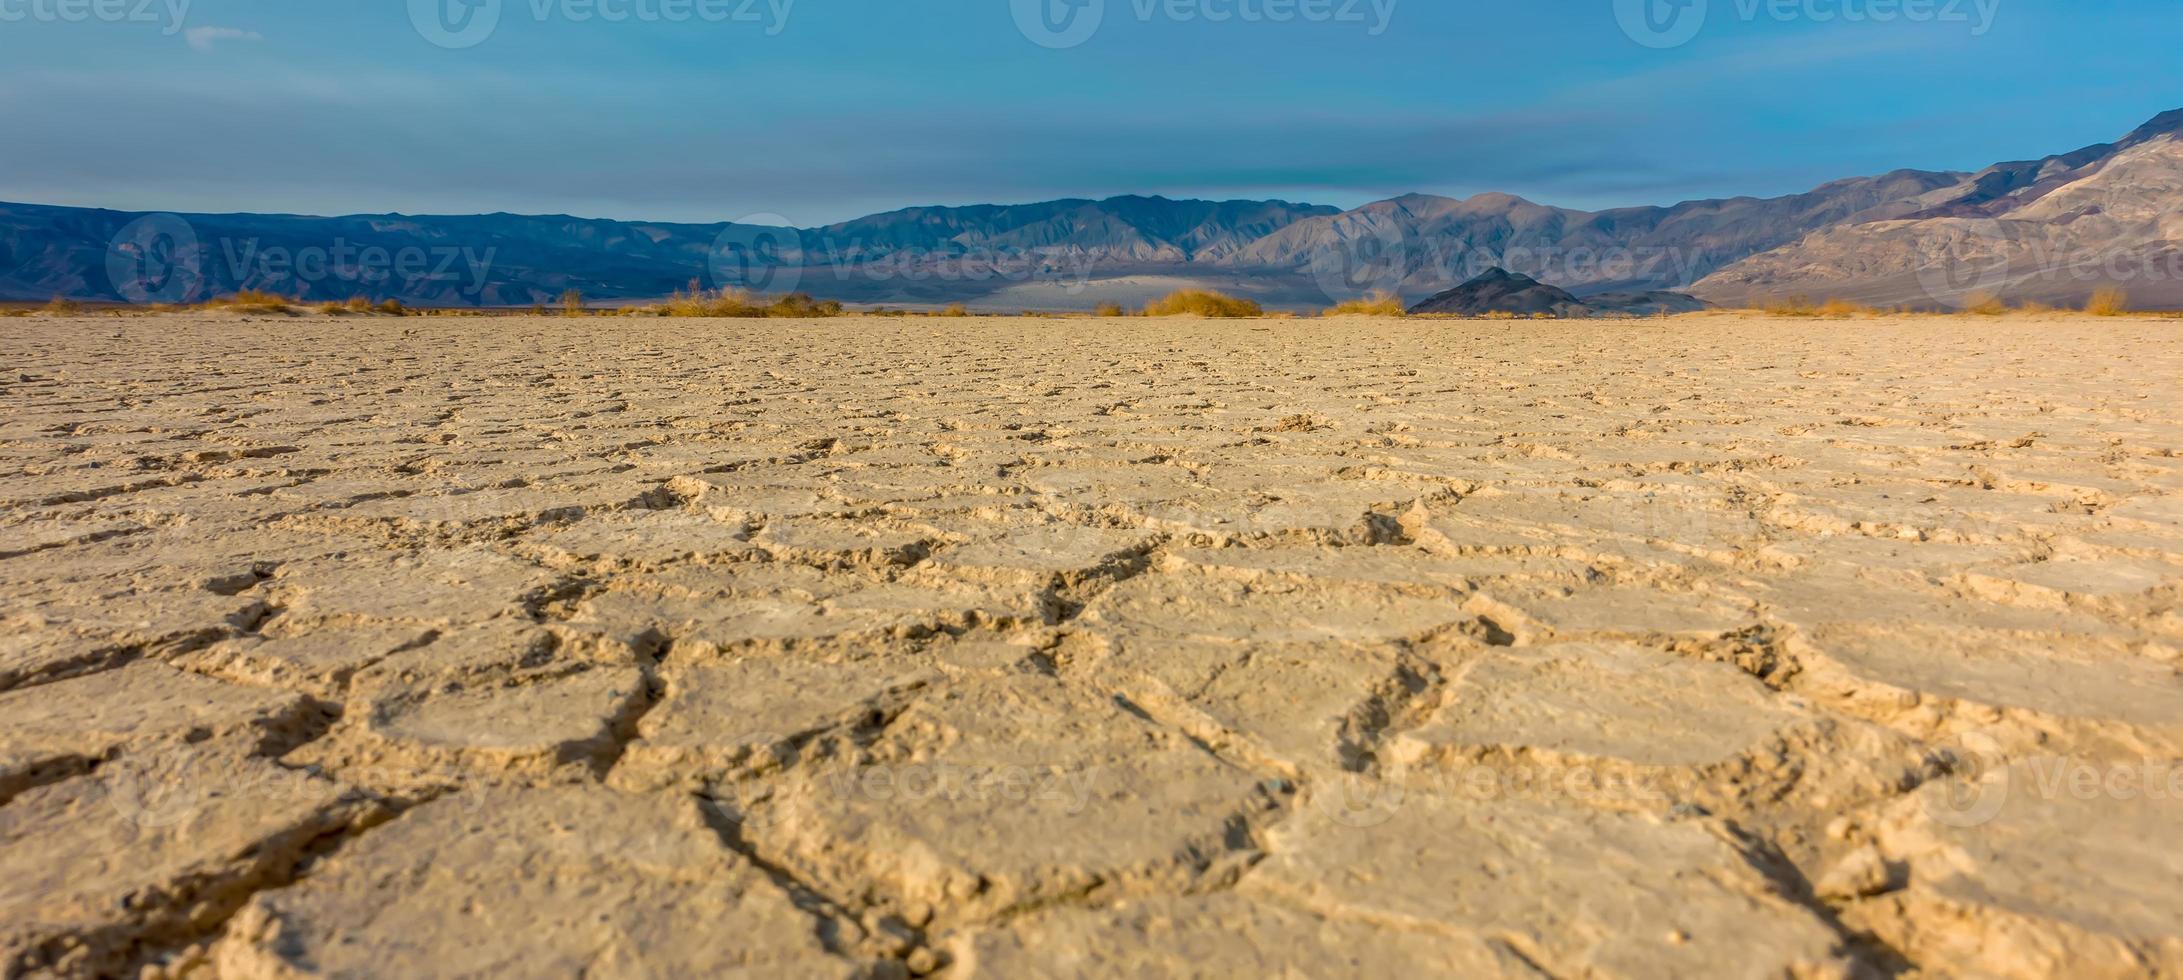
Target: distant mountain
[[471, 260], [2053, 230], [1440, 241], [2003, 186], [1118, 230], [1502, 291], [1045, 255], [927, 255], [1646, 302], [1911, 236]]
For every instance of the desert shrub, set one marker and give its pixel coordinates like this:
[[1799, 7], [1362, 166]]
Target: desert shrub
[[572, 302], [1843, 307], [251, 301], [391, 307], [1377, 304], [802, 306], [1203, 302], [2033, 306], [63, 306], [955, 309], [2108, 302], [1984, 304], [723, 303], [1542, 315], [1109, 309], [333, 309]]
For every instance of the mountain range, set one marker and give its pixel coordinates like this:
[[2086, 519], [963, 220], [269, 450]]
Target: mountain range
[[2052, 229]]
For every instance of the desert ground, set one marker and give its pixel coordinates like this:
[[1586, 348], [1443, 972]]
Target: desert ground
[[1718, 645]]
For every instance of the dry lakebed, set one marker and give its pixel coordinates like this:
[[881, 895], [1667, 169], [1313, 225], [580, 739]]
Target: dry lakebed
[[1721, 645]]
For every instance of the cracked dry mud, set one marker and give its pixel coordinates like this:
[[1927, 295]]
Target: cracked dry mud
[[1714, 646]]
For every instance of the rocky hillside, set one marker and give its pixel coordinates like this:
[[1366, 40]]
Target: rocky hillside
[[1118, 230], [2109, 216], [931, 255], [1502, 291], [465, 260], [1436, 242]]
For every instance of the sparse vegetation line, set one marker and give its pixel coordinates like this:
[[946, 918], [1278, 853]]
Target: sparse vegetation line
[[739, 303]]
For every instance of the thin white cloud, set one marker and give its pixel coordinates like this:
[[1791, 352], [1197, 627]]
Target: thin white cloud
[[203, 38]]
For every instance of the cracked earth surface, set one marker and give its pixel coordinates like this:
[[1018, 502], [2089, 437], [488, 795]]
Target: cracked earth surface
[[871, 647]]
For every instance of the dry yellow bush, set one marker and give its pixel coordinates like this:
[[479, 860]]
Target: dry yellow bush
[[723, 303], [1376, 304], [252, 301], [802, 306], [2108, 302], [1203, 302]]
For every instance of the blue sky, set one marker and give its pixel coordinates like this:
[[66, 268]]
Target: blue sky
[[821, 110]]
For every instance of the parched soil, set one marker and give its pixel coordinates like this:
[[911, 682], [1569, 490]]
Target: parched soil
[[1710, 646]]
